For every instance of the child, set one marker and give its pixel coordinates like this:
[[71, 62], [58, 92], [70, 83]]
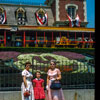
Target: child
[[38, 85]]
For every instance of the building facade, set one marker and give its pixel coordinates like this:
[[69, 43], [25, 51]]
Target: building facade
[[58, 23], [61, 8]]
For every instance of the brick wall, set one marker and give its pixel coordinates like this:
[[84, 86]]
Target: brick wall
[[53, 8], [62, 13]]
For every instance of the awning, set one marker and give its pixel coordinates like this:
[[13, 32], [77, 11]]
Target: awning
[[47, 28], [44, 28]]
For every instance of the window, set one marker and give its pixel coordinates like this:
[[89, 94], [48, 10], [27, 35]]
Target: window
[[71, 10], [20, 16]]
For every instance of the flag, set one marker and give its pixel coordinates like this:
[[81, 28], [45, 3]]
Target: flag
[[42, 20], [3, 18], [78, 21], [70, 20]]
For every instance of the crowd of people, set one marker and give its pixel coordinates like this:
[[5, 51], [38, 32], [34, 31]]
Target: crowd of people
[[33, 89]]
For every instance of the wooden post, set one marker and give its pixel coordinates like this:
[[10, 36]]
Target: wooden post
[[24, 39]]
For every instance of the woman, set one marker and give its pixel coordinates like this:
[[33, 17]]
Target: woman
[[27, 84], [54, 74]]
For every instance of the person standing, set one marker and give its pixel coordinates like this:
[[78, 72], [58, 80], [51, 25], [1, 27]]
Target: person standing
[[27, 86], [38, 84], [54, 74]]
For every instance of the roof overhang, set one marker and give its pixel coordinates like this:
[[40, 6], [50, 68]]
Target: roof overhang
[[47, 28]]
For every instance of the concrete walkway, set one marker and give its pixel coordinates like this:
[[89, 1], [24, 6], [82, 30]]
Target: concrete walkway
[[79, 94]]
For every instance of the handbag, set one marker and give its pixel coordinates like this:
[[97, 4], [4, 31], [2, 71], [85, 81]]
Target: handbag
[[26, 94], [55, 86]]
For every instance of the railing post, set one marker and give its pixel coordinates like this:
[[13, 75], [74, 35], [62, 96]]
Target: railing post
[[5, 38], [24, 39]]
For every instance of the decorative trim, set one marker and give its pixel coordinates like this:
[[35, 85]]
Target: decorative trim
[[20, 9], [57, 10], [85, 11], [2, 9], [76, 6], [75, 29]]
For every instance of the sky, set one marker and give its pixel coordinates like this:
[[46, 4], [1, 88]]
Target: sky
[[91, 13], [90, 9]]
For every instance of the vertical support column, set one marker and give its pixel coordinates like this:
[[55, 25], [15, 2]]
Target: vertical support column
[[5, 38], [83, 42], [52, 36], [60, 38], [36, 41], [36, 37], [44, 36], [82, 36], [90, 36], [76, 41], [53, 43], [24, 39], [44, 45], [57, 10], [67, 39], [68, 35], [90, 42], [85, 10], [75, 36]]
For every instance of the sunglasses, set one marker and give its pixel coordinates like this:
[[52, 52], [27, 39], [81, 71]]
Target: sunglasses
[[52, 64]]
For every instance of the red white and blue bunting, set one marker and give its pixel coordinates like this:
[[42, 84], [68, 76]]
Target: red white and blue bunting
[[78, 21], [71, 24], [74, 22], [42, 19], [3, 17]]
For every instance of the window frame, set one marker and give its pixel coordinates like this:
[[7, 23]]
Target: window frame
[[23, 12], [72, 6]]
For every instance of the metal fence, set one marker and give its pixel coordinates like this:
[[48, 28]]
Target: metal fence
[[74, 75]]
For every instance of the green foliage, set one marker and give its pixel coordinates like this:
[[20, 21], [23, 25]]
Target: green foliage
[[89, 51]]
